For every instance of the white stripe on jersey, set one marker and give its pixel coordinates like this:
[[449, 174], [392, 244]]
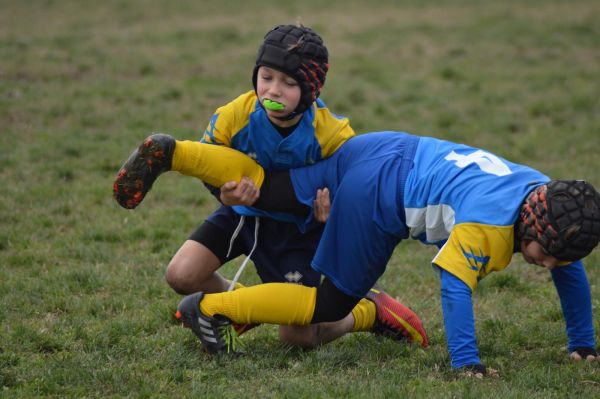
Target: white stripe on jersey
[[436, 221]]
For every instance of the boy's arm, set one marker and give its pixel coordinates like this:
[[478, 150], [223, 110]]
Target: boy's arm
[[459, 322], [575, 298]]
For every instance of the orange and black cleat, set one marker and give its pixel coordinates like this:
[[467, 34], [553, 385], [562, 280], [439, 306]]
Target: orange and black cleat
[[395, 320], [145, 164]]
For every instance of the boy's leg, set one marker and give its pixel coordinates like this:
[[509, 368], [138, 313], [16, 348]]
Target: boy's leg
[[379, 313], [314, 335], [215, 165], [284, 255], [294, 305], [194, 267]]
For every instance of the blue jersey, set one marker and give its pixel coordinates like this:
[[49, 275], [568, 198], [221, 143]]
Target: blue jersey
[[460, 198], [244, 125], [388, 186], [468, 200]]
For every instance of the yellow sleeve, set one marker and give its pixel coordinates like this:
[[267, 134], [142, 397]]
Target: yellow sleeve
[[229, 119], [474, 250], [331, 131]]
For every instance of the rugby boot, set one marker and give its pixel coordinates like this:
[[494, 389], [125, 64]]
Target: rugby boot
[[145, 164], [216, 333], [395, 320]]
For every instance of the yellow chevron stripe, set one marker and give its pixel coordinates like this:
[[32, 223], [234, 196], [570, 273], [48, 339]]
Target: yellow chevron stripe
[[413, 333]]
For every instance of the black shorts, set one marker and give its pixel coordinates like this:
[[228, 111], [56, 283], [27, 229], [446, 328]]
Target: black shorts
[[283, 254]]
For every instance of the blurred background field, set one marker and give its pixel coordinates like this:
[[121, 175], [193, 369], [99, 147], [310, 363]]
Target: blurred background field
[[85, 309]]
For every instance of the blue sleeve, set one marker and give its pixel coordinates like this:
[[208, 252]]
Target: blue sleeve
[[459, 321], [576, 301]]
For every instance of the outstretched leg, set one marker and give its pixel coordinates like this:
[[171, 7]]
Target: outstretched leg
[[159, 153]]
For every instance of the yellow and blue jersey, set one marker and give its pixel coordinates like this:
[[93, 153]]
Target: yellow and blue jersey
[[467, 201], [243, 124], [389, 186], [459, 198]]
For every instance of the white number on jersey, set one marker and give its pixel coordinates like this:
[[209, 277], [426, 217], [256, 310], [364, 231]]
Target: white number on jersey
[[489, 163]]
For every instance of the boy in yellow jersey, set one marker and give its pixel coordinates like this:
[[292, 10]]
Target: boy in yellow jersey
[[281, 124], [476, 207]]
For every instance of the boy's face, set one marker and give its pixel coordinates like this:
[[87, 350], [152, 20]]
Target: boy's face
[[277, 86], [535, 254]]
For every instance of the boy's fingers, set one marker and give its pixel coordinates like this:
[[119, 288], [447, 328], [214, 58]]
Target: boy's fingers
[[576, 357], [325, 196], [579, 354], [230, 185], [321, 205]]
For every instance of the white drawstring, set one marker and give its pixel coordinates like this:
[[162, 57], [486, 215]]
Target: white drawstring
[[235, 234], [245, 262]]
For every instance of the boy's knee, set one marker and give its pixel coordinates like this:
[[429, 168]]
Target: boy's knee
[[187, 274], [176, 278], [185, 277]]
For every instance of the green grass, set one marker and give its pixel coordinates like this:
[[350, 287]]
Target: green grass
[[85, 309]]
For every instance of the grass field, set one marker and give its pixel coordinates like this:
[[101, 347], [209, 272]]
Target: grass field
[[85, 309]]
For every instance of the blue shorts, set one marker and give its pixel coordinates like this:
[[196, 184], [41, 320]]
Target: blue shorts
[[283, 254], [366, 179]]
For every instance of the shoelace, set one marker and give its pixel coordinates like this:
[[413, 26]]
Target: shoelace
[[245, 262], [230, 337]]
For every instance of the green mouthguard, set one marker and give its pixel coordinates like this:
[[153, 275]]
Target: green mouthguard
[[273, 105]]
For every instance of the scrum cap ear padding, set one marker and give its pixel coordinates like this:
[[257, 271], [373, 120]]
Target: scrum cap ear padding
[[564, 217]]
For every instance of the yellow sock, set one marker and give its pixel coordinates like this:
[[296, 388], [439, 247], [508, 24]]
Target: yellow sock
[[273, 303], [364, 315], [215, 164], [238, 285]]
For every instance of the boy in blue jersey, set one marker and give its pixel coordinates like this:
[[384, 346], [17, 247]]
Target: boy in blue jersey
[[280, 124], [479, 209]]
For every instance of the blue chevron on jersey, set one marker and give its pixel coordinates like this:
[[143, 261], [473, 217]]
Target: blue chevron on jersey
[[209, 133], [476, 262]]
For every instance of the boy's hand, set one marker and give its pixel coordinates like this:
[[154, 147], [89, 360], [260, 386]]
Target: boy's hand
[[587, 354], [243, 193], [322, 205], [478, 371]]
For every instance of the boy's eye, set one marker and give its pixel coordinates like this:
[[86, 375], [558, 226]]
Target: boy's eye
[[266, 77], [291, 82]]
